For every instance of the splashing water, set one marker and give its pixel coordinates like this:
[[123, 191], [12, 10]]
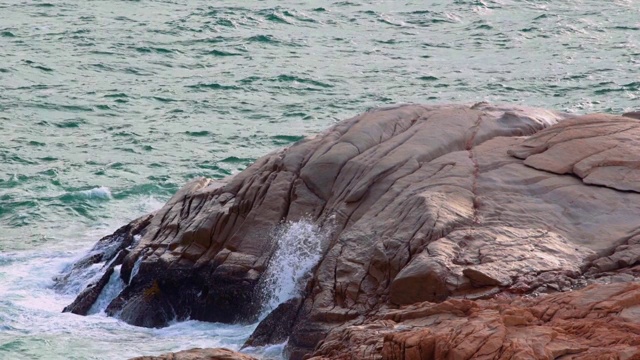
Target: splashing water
[[298, 251], [101, 192], [136, 268], [110, 291]]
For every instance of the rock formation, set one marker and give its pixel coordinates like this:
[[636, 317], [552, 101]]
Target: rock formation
[[598, 322], [200, 354], [438, 204]]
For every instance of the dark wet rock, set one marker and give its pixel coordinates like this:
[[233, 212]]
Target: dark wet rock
[[632, 114], [110, 250], [276, 327], [83, 302]]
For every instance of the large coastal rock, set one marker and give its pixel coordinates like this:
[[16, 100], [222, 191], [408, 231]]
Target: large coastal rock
[[419, 204]]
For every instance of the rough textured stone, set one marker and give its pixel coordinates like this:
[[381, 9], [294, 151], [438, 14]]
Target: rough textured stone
[[421, 203], [599, 149], [200, 354], [598, 322]]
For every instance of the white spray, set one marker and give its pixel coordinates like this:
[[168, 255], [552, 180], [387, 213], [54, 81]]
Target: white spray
[[298, 251]]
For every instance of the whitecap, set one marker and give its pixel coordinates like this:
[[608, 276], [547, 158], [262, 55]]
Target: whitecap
[[101, 192]]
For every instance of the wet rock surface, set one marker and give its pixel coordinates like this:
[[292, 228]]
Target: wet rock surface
[[425, 204], [110, 251], [276, 327]]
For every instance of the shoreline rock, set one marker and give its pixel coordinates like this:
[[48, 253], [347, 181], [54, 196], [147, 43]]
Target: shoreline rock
[[199, 354], [419, 203], [598, 322]]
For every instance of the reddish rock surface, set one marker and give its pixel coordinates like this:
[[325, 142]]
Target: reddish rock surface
[[200, 354], [598, 322], [420, 204]]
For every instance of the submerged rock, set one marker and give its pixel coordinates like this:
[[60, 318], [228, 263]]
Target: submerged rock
[[418, 203]]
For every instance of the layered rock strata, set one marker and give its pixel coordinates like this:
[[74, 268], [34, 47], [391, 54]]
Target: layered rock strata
[[421, 203]]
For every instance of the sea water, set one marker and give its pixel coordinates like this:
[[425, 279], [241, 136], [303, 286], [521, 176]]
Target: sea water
[[108, 107]]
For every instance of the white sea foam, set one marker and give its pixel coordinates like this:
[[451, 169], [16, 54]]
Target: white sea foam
[[31, 311], [31, 308], [101, 192], [299, 248], [136, 241], [78, 279]]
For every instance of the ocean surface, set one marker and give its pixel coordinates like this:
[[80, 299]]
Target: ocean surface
[[107, 107]]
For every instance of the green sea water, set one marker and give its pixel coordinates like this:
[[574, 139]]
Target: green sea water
[[107, 107]]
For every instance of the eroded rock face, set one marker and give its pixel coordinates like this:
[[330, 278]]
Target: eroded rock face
[[599, 149], [598, 322], [421, 203]]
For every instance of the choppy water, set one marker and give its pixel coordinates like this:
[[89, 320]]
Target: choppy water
[[107, 107]]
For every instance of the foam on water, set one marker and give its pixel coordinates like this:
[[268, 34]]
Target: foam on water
[[275, 351], [148, 204], [32, 325], [78, 279], [101, 192]]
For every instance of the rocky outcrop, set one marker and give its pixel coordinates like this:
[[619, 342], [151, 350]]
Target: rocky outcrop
[[200, 354], [598, 322], [419, 204], [108, 251]]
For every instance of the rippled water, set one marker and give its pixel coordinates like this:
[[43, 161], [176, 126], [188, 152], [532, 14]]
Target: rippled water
[[107, 107]]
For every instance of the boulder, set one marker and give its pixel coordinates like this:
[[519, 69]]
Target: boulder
[[419, 204], [200, 354], [276, 327]]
